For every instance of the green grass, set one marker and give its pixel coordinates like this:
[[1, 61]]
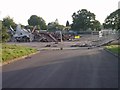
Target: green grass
[[10, 52], [114, 48]]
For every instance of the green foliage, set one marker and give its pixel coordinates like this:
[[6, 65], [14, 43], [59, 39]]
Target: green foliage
[[4, 26], [67, 23], [10, 52], [4, 34], [68, 26], [38, 27], [96, 26], [7, 22], [84, 20], [34, 20], [61, 27], [113, 20], [53, 26]]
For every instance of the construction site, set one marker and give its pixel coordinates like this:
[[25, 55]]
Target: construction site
[[58, 40]]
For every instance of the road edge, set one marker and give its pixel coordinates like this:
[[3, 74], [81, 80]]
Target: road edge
[[19, 58], [116, 55]]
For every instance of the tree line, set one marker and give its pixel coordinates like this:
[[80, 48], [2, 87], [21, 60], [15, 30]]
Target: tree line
[[82, 20]]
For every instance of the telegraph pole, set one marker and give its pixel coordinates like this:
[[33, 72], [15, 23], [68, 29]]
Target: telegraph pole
[[61, 41]]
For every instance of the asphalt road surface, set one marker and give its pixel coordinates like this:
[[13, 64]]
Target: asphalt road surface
[[88, 68]]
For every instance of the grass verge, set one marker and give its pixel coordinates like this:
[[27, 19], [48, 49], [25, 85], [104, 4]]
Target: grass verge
[[10, 52], [114, 48]]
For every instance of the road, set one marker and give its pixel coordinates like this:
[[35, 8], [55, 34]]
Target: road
[[85, 68]]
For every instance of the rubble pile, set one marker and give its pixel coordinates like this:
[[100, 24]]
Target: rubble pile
[[24, 35]]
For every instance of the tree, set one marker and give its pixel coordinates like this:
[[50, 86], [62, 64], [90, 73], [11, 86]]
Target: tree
[[83, 20], [68, 26], [113, 20], [5, 36], [67, 23], [34, 20], [96, 25], [7, 22], [60, 27], [56, 21], [54, 26], [51, 26]]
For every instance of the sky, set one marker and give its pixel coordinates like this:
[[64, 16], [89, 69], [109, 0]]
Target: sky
[[50, 10]]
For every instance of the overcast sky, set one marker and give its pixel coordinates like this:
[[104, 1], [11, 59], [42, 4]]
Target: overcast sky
[[49, 10]]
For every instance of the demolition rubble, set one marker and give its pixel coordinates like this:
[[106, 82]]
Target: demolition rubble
[[85, 39], [27, 35]]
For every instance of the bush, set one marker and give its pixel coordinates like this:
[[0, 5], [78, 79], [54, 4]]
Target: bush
[[5, 36]]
